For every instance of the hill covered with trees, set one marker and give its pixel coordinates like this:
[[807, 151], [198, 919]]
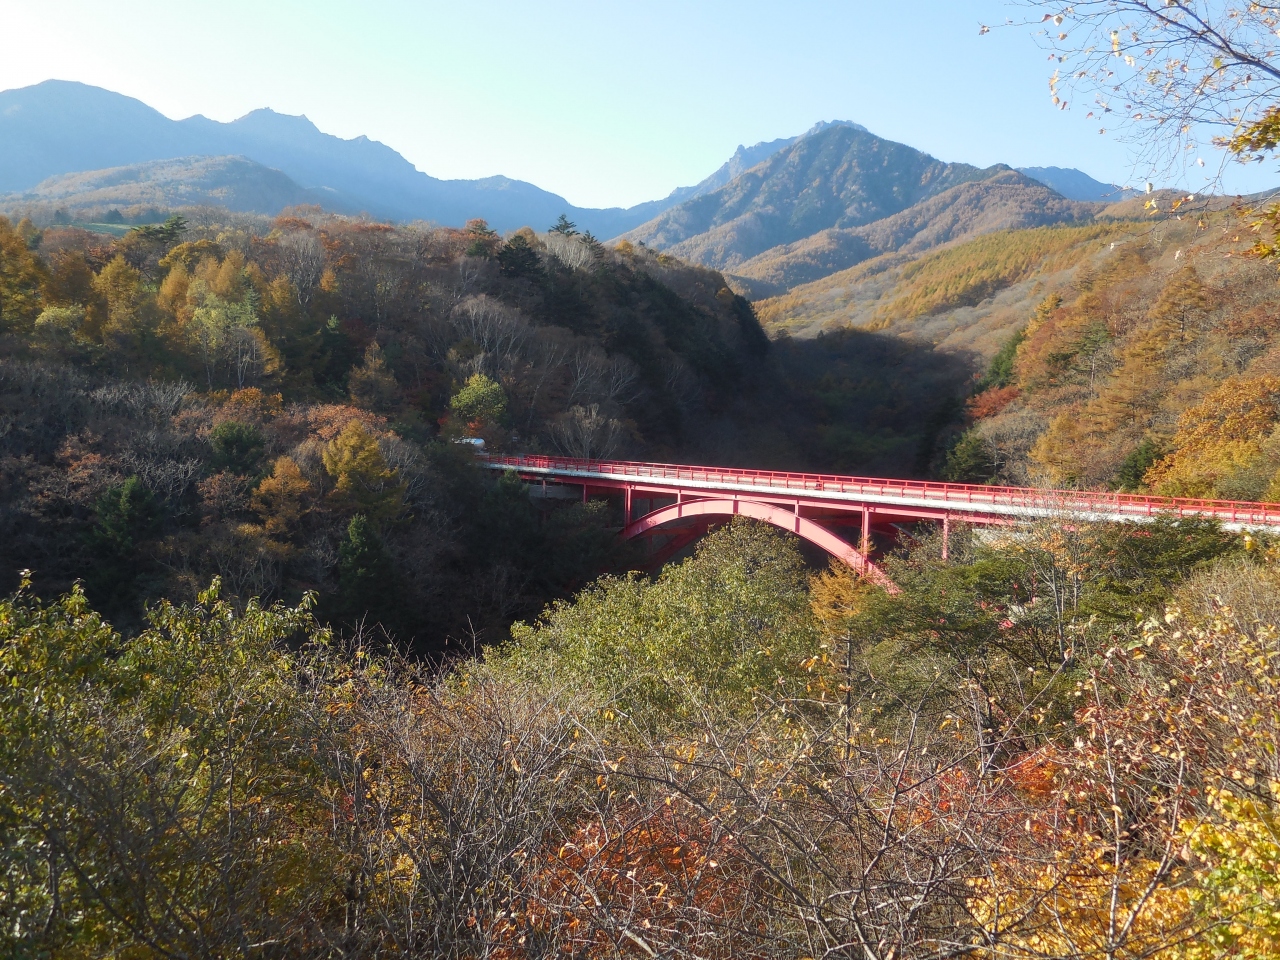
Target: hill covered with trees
[[234, 183], [273, 403]]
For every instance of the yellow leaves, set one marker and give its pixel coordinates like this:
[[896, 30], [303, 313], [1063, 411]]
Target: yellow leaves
[[1218, 437], [836, 595], [966, 274], [364, 482], [279, 499]]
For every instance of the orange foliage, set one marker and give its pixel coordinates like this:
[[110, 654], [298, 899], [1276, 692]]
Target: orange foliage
[[281, 498], [991, 401], [330, 419], [636, 877], [284, 223], [251, 405]]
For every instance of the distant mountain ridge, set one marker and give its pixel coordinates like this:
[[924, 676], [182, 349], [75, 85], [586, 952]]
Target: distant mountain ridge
[[1007, 200], [61, 127], [776, 214], [744, 158], [1077, 185]]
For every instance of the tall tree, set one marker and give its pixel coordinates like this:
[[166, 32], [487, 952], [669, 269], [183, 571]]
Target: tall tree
[[21, 278], [565, 226]]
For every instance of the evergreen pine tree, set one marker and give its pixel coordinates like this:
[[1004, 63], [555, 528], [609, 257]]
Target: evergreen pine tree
[[367, 580], [565, 226]]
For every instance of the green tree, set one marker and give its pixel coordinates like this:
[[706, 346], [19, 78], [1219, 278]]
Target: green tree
[[482, 242], [60, 326], [518, 259], [237, 446], [727, 624], [1135, 466], [368, 583], [481, 401], [167, 233], [125, 516], [565, 226], [157, 795], [225, 332], [1000, 372], [970, 460]]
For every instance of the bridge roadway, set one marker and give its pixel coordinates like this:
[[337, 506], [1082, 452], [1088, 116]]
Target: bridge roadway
[[808, 504]]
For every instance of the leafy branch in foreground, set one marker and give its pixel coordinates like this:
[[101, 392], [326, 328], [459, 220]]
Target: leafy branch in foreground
[[1165, 71]]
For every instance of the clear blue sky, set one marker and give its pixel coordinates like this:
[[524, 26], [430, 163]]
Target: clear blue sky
[[607, 103]]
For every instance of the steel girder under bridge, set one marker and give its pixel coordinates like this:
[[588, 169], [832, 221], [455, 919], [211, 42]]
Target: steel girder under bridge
[[809, 505]]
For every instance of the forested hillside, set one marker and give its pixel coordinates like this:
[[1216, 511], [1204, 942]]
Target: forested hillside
[[272, 402], [1152, 367], [287, 673], [233, 183], [1119, 354]]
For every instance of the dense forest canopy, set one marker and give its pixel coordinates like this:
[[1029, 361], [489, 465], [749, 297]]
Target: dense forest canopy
[[271, 402], [1057, 742]]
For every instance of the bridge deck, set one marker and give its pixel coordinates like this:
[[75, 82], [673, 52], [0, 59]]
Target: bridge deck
[[973, 502]]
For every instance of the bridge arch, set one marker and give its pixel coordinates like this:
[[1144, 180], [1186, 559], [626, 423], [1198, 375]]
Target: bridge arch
[[779, 517]]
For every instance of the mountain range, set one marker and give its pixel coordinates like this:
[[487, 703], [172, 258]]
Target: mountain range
[[61, 127]]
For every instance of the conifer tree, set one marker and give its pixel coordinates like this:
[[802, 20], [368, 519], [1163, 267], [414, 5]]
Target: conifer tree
[[565, 226], [363, 481], [367, 579]]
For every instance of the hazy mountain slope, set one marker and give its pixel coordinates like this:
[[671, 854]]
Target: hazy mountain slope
[[837, 177], [1076, 184], [57, 127], [1005, 201], [232, 182], [60, 127]]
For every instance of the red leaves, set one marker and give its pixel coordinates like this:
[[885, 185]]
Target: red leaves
[[991, 401]]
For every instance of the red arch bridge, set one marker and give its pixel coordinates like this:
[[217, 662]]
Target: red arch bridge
[[680, 502]]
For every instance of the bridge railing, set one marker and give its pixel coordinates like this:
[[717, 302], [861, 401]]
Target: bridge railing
[[958, 495]]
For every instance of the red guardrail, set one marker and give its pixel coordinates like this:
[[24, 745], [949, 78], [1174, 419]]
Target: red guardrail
[[951, 494]]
